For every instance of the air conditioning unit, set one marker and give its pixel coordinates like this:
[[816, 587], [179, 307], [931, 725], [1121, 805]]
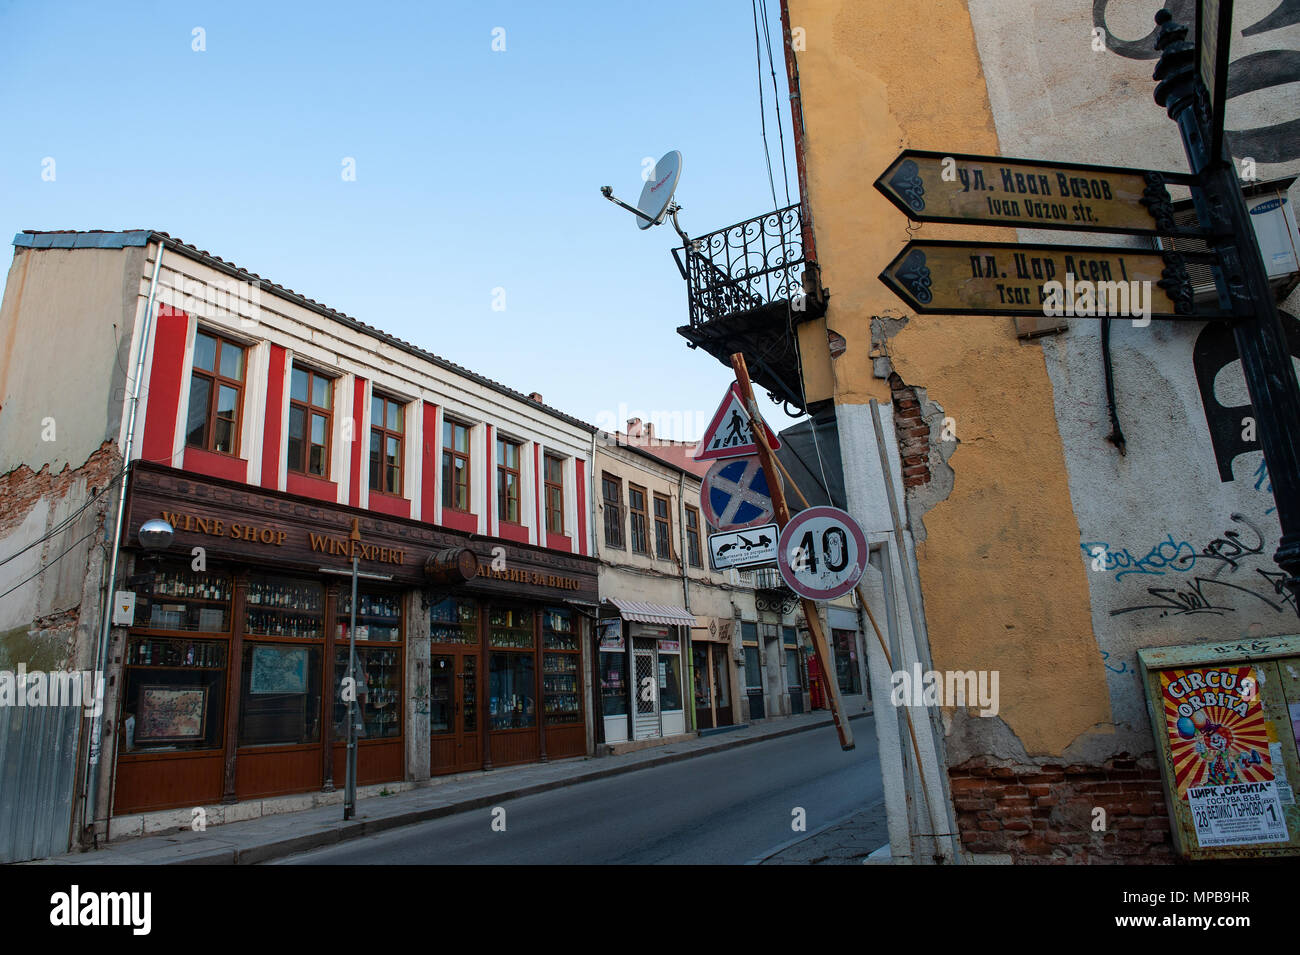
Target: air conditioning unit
[[1274, 219]]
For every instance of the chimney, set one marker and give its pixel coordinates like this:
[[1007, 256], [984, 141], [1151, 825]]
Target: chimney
[[634, 427], [649, 432], [535, 396]]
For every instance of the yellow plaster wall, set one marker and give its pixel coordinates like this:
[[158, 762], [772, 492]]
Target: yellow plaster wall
[[1004, 586]]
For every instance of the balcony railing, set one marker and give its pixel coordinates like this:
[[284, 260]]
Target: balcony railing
[[745, 266], [763, 578]]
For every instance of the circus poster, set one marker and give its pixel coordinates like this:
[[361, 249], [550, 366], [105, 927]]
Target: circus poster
[[1219, 747]]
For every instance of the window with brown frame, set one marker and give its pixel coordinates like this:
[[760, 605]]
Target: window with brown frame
[[386, 427], [554, 494], [455, 465], [216, 394], [508, 480], [638, 529], [311, 418], [611, 492], [693, 553], [663, 529]]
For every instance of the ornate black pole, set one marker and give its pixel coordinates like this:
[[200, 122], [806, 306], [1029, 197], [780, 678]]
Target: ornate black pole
[[1242, 282]]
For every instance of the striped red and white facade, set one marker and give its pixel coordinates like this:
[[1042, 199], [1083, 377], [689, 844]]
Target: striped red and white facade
[[280, 332]]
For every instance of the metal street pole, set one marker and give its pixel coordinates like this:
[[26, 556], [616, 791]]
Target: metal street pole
[[350, 785], [782, 513], [1242, 282]]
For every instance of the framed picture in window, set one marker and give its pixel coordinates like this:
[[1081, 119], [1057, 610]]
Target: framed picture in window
[[278, 670], [171, 714]]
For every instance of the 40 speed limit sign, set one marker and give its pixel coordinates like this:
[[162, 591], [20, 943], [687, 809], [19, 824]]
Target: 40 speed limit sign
[[822, 553]]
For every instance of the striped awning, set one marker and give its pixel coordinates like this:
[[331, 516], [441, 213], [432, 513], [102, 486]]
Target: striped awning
[[663, 614]]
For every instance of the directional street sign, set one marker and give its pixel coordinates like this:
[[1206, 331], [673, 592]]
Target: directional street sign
[[1025, 193], [822, 553], [751, 547], [1008, 278], [728, 434], [1213, 39], [734, 494]]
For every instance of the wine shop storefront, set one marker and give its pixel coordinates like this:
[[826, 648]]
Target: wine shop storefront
[[470, 652]]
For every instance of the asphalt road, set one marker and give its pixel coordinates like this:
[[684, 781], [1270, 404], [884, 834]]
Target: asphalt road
[[726, 808]]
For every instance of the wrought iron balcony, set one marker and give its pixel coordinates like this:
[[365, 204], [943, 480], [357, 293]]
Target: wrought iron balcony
[[745, 266], [746, 286]]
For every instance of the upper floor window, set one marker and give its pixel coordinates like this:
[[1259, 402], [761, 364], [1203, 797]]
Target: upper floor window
[[554, 495], [611, 492], [663, 529], [311, 402], [386, 445], [638, 529], [693, 553], [455, 465], [508, 480], [216, 394]]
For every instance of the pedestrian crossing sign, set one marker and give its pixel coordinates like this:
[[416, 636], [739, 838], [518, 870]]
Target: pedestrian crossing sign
[[728, 434]]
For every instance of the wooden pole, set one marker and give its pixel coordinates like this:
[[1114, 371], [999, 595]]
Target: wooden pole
[[768, 460]]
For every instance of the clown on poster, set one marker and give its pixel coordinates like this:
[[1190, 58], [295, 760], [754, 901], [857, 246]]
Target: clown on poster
[[1218, 742]]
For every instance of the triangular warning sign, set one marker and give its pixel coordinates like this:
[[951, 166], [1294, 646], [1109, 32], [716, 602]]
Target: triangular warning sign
[[728, 434]]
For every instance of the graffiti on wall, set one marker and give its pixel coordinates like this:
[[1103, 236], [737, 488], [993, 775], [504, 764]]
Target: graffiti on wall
[[1219, 567], [1262, 70]]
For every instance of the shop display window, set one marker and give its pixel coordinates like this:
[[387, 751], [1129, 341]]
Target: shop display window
[[379, 616], [753, 672], [510, 691], [670, 681], [700, 670], [175, 694], [182, 599], [454, 620], [720, 676], [280, 698], [561, 684], [284, 607], [379, 692], [613, 683], [511, 628]]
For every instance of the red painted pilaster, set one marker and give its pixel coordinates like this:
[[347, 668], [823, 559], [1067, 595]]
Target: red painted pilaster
[[359, 440], [274, 421], [164, 386], [429, 469]]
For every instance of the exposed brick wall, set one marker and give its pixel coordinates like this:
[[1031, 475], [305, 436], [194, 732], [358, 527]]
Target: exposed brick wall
[[1044, 814], [913, 433], [22, 487]]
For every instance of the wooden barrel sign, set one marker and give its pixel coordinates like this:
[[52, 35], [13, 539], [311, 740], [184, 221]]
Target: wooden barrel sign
[[455, 565]]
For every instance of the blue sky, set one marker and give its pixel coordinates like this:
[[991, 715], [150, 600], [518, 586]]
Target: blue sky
[[475, 169]]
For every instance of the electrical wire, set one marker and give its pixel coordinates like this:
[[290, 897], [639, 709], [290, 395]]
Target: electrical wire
[[46, 566], [776, 99], [789, 311], [58, 528]]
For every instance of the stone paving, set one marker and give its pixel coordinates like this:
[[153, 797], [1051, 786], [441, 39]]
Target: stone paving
[[846, 842]]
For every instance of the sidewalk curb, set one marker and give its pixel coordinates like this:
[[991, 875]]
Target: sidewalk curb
[[333, 833], [759, 860]]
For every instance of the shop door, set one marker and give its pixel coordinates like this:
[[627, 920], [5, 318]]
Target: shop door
[[646, 690], [721, 685], [703, 695], [453, 713]]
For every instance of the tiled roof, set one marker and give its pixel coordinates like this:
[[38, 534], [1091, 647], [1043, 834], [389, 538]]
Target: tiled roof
[[102, 239]]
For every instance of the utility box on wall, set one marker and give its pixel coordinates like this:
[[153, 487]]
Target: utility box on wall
[[1226, 720]]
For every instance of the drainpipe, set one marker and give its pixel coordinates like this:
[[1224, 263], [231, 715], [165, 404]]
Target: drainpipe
[[591, 508], [101, 656]]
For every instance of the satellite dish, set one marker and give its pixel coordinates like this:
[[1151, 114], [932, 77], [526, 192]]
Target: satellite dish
[[658, 190]]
